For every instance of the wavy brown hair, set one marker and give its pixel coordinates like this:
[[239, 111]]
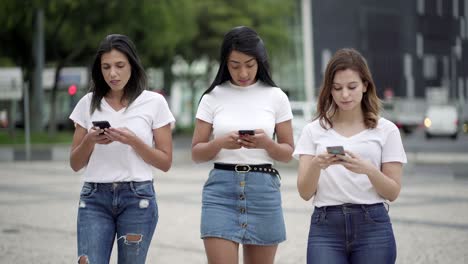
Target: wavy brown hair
[[342, 60]]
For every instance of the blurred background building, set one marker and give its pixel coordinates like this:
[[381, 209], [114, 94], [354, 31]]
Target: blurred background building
[[409, 45]]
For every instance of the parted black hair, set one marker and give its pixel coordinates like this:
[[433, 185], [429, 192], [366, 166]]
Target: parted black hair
[[137, 82], [245, 40]]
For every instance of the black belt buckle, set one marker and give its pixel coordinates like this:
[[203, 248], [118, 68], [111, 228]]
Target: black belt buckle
[[244, 168]]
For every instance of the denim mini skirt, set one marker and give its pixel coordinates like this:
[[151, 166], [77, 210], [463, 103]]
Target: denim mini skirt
[[244, 207]]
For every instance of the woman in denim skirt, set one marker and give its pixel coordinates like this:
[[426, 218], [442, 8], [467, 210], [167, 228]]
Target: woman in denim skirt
[[121, 133], [350, 161], [237, 121]]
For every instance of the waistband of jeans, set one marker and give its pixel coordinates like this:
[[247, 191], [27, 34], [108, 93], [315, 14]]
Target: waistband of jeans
[[115, 185], [349, 206], [243, 168]]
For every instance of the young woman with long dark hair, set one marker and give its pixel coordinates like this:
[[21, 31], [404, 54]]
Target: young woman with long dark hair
[[241, 198]]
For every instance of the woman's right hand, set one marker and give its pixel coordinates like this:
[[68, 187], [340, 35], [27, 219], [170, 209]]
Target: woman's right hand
[[325, 159], [229, 141], [94, 135], [83, 144]]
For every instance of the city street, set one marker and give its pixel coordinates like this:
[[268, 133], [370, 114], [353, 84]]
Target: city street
[[339, 59], [416, 142], [39, 202]]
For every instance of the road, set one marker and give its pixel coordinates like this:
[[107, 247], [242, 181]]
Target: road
[[416, 142], [38, 201]]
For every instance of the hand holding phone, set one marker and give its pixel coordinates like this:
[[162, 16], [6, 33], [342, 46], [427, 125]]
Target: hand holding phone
[[101, 125], [336, 150], [246, 132]]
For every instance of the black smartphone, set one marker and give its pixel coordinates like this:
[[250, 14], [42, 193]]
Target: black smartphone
[[101, 125], [336, 150], [246, 132]]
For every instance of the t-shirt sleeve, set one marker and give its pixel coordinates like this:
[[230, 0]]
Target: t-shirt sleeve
[[305, 145], [392, 150], [283, 107], [205, 109], [80, 114], [163, 115]]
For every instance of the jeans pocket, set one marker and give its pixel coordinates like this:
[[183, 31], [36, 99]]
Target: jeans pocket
[[378, 215], [143, 190], [211, 178], [87, 190], [316, 217], [275, 180]]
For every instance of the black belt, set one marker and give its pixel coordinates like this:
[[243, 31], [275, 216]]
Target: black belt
[[342, 207], [243, 168], [114, 185]]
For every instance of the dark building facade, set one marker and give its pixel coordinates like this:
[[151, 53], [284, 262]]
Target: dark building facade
[[410, 45]]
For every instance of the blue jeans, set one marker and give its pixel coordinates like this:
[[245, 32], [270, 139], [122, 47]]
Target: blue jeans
[[351, 233], [127, 210]]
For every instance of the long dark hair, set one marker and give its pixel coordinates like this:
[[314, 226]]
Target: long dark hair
[[135, 85], [245, 40], [345, 59]]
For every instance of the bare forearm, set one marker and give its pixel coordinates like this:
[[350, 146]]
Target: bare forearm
[[79, 156], [385, 186], [205, 151], [307, 180], [280, 151], [155, 157]]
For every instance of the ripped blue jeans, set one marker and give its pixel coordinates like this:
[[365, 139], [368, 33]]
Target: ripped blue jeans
[[123, 210]]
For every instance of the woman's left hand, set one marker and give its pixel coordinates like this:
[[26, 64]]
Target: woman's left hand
[[121, 134], [355, 163], [259, 140]]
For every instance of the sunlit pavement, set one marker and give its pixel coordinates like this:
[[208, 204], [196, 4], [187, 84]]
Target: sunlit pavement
[[39, 201]]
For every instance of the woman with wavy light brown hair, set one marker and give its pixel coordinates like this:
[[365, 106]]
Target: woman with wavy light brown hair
[[327, 108], [351, 163]]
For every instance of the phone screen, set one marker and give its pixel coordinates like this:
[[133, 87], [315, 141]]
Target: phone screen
[[336, 150], [101, 125], [246, 132]]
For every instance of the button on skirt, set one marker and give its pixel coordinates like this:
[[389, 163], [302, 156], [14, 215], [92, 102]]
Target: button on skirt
[[244, 207]]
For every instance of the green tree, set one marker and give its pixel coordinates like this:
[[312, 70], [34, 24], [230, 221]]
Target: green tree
[[160, 29], [215, 17]]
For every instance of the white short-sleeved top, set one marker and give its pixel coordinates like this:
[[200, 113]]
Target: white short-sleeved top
[[117, 162], [231, 108], [337, 185]]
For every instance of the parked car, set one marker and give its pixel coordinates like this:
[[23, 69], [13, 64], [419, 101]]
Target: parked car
[[441, 120], [303, 113], [407, 114]]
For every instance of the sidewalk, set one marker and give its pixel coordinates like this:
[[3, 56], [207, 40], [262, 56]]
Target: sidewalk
[[38, 201]]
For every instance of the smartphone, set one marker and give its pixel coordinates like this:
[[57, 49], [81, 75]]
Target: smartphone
[[246, 132], [101, 125], [336, 150]]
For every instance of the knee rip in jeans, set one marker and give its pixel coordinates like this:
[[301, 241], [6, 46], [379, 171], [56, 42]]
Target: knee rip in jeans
[[131, 239], [83, 260]]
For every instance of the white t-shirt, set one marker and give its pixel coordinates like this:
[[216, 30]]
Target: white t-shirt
[[117, 162], [230, 108], [336, 184]]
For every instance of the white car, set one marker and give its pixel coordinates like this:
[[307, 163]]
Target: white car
[[303, 113], [441, 120]]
